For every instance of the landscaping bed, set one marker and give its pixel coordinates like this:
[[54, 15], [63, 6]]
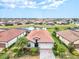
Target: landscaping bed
[[19, 50]]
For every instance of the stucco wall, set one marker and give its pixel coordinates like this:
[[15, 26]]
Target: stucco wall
[[42, 45], [46, 45], [14, 40], [11, 42], [63, 40], [22, 35], [76, 42], [31, 44]]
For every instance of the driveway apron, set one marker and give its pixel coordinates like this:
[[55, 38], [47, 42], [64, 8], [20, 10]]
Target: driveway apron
[[46, 54]]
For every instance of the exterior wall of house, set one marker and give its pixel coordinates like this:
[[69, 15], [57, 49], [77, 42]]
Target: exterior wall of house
[[77, 23], [42, 45], [46, 45], [22, 35], [2, 45], [14, 40], [11, 42], [63, 40], [31, 44], [76, 42]]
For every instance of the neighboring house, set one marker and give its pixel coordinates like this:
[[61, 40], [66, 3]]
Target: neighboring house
[[50, 23], [1, 30], [62, 22], [41, 39], [2, 23], [8, 37], [76, 22], [69, 37]]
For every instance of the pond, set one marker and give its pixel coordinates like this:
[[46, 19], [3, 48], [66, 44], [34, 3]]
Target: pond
[[32, 28]]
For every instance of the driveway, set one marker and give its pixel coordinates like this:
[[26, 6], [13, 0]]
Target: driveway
[[46, 54]]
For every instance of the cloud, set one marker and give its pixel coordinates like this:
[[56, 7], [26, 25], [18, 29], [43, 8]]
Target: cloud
[[45, 4]]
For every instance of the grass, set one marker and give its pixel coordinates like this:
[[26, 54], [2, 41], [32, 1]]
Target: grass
[[16, 26], [61, 27], [24, 26], [4, 56]]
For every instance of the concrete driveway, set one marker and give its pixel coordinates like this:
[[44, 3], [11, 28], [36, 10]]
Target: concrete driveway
[[46, 54]]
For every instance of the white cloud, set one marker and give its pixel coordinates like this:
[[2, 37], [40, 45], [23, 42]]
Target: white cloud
[[45, 4]]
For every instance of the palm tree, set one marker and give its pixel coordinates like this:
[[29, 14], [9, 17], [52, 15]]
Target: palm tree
[[22, 41]]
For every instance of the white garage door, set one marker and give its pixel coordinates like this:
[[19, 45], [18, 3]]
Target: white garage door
[[45, 45]]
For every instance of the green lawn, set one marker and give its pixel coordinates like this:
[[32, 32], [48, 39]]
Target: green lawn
[[16, 26], [4, 56], [24, 26], [61, 27]]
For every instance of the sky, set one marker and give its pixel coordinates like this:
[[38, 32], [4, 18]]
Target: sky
[[39, 8]]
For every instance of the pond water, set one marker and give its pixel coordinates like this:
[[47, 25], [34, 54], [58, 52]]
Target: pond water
[[32, 28]]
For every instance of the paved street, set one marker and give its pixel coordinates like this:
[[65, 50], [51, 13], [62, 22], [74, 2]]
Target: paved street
[[46, 54]]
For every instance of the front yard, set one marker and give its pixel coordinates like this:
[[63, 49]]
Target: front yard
[[19, 50], [29, 57]]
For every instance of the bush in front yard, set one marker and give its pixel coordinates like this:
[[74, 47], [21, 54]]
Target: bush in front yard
[[34, 51], [71, 47], [58, 49], [19, 53], [15, 49], [76, 53], [4, 56]]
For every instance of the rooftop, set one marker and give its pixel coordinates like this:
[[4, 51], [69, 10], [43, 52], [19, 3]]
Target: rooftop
[[9, 34], [70, 35], [43, 35]]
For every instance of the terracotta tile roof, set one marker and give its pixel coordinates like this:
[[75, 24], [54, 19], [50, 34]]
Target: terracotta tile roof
[[9, 34], [43, 36], [69, 35]]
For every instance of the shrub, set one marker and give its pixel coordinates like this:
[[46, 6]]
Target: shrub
[[34, 51], [19, 53], [4, 56], [76, 53], [5, 50], [8, 24], [55, 52], [71, 47], [15, 49], [58, 49]]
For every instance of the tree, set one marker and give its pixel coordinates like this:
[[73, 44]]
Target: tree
[[71, 47], [21, 42], [61, 51], [56, 29]]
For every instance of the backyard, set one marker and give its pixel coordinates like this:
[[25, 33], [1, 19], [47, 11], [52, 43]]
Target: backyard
[[42, 25]]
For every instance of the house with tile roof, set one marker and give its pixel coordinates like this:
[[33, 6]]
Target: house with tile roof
[[8, 37], [40, 38], [69, 36]]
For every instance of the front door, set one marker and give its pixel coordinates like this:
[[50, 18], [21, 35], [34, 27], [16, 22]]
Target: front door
[[36, 43]]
